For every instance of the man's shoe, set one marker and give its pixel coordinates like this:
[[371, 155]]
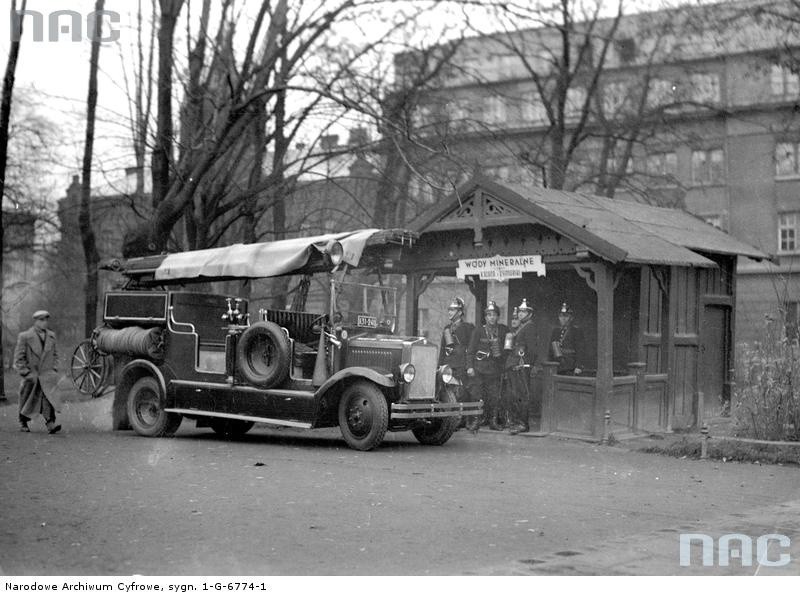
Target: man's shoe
[[522, 428], [23, 427], [53, 428]]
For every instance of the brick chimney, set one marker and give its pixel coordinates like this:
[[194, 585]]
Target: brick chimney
[[358, 137], [329, 142]]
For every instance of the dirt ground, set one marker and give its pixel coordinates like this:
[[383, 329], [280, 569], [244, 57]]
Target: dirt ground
[[92, 501]]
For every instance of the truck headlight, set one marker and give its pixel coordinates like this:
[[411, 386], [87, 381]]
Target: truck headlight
[[447, 373], [408, 372]]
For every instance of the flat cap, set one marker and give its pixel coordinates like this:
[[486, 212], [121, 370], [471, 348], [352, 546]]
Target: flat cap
[[41, 314]]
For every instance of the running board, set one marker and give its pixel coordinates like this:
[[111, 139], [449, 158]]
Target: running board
[[190, 412]]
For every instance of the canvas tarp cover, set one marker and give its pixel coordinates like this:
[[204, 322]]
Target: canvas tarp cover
[[265, 259]]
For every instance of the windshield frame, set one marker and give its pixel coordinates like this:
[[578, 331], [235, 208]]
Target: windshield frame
[[389, 310]]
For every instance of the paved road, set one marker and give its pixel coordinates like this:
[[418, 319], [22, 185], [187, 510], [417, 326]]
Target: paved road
[[91, 501]]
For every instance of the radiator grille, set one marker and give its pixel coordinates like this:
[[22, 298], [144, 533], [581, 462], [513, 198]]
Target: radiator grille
[[384, 358], [424, 358]]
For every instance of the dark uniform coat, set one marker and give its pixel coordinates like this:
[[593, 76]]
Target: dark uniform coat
[[38, 365], [479, 352], [524, 351], [570, 339], [455, 355]]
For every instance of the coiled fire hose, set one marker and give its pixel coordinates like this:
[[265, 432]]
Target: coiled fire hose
[[133, 341]]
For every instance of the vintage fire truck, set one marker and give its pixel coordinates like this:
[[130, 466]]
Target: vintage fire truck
[[209, 358]]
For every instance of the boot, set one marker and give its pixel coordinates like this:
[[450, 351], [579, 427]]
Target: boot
[[23, 427], [520, 428], [53, 428], [473, 424], [494, 423]]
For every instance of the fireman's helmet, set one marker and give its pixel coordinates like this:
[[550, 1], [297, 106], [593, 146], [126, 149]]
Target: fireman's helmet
[[565, 309], [456, 304], [525, 307], [492, 307]]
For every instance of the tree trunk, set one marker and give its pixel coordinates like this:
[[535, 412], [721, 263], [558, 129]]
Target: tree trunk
[[5, 118], [278, 185], [91, 257], [162, 151], [259, 145]]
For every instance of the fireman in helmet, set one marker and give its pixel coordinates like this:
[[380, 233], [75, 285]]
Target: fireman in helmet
[[454, 344], [566, 343], [485, 365], [519, 368]]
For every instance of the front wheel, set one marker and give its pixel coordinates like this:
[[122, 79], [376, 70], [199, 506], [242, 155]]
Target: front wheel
[[363, 415], [145, 411], [437, 431], [230, 428]]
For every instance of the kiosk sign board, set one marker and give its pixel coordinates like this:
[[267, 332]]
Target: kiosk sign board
[[500, 268]]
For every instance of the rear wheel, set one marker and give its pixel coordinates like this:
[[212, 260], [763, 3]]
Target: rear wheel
[[146, 413], [437, 431], [89, 369], [363, 415], [230, 428]]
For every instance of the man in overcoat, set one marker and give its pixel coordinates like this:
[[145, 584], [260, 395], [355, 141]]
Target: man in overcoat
[[36, 360], [519, 367], [485, 365], [567, 343]]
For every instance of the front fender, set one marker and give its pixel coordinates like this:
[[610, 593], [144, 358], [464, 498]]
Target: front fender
[[385, 380]]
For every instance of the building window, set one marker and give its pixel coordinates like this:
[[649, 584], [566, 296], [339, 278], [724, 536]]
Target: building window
[[423, 116], [708, 166], [613, 165], [495, 110], [787, 232], [661, 92], [576, 97], [626, 49], [664, 165], [420, 190], [533, 110], [509, 66], [784, 82], [786, 159], [615, 95], [705, 88]]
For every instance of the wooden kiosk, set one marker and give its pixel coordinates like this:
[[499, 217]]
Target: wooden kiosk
[[654, 290]]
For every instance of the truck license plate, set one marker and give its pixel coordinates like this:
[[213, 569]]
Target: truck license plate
[[367, 321]]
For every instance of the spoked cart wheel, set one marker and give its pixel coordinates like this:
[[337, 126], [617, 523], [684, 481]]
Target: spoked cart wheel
[[89, 369]]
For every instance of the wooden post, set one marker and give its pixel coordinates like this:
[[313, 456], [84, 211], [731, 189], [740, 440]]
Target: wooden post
[[604, 287], [637, 369], [479, 288], [412, 303], [549, 421]]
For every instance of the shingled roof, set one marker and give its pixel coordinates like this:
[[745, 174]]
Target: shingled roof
[[613, 229]]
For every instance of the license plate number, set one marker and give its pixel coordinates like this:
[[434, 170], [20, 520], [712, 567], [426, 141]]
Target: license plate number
[[367, 321]]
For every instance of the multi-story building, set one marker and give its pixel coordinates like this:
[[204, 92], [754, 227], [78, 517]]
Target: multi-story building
[[707, 96]]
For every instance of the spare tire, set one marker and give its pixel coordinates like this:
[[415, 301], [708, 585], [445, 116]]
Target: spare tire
[[263, 355]]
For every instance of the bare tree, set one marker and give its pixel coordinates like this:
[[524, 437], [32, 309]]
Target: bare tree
[[5, 118], [91, 256]]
